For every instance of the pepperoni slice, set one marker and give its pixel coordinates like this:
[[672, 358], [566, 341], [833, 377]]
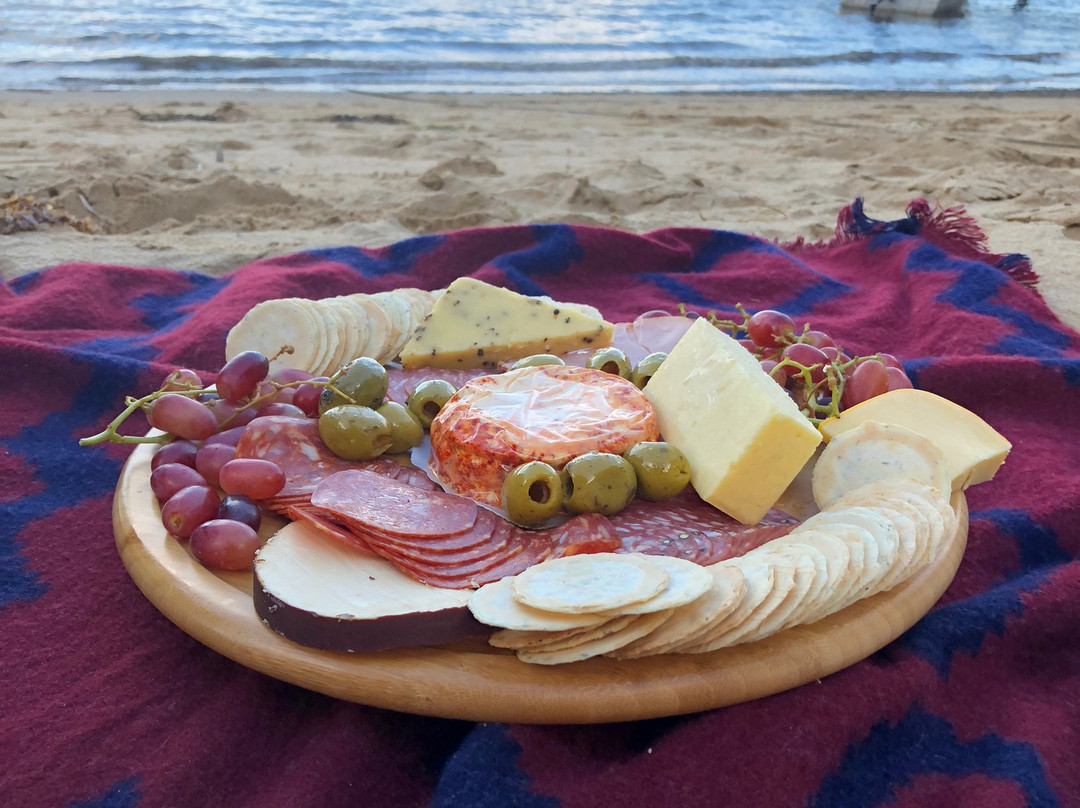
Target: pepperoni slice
[[385, 505], [688, 527]]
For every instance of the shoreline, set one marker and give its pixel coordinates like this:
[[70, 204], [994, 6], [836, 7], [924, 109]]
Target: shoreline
[[209, 180]]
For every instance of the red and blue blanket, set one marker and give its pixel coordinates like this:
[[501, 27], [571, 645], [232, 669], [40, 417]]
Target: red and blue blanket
[[105, 704]]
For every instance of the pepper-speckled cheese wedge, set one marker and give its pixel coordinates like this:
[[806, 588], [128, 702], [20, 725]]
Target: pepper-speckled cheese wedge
[[477, 325]]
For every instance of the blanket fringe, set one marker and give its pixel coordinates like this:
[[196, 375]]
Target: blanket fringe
[[949, 228]]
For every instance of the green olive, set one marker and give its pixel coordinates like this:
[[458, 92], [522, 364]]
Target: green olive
[[406, 431], [662, 470], [644, 370], [428, 398], [531, 494], [610, 360], [363, 381], [598, 482], [536, 360], [353, 432]]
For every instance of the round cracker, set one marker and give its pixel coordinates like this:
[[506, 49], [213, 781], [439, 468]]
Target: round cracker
[[687, 582], [639, 626], [494, 605], [874, 451], [270, 326], [590, 582], [725, 593]]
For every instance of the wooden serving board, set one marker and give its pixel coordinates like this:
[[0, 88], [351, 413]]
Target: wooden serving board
[[471, 680]]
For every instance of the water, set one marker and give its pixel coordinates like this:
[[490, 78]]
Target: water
[[532, 46]]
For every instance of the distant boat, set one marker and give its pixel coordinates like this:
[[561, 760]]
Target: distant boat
[[922, 8]]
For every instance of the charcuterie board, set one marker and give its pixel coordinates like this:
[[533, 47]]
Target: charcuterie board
[[470, 680]]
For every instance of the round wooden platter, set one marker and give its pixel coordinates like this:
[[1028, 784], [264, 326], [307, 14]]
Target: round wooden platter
[[471, 680]]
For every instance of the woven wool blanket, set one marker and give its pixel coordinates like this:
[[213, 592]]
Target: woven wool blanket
[[105, 703]]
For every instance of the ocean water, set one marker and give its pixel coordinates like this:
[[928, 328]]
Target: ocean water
[[498, 46]]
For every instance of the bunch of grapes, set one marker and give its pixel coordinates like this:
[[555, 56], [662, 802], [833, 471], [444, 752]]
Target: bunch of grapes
[[197, 460], [816, 372]]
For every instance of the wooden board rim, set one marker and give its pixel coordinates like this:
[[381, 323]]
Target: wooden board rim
[[476, 683]]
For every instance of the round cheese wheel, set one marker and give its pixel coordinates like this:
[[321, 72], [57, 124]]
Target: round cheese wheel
[[551, 413]]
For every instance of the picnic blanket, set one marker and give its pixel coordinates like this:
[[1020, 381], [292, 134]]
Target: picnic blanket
[[104, 703]]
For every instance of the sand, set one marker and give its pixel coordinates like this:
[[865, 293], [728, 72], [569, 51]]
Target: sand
[[210, 181]]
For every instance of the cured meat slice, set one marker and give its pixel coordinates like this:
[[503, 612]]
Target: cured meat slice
[[317, 519], [295, 446], [384, 505], [400, 383], [687, 527]]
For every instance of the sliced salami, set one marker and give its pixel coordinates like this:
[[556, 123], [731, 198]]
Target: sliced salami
[[400, 383], [317, 519], [295, 446], [384, 505], [687, 527]]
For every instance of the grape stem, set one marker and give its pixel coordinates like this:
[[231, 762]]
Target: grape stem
[[110, 434]]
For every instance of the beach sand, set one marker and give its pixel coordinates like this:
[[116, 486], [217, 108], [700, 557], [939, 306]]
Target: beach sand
[[210, 181]]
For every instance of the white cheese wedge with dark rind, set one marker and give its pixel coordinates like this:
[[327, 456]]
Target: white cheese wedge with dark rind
[[476, 325], [743, 435], [322, 594]]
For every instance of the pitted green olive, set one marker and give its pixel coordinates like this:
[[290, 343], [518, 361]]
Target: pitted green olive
[[662, 470], [644, 370], [536, 360], [406, 431], [354, 433], [532, 493], [610, 360], [598, 482], [428, 398], [363, 381]]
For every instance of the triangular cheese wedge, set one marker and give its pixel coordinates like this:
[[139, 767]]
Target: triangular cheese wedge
[[477, 325]]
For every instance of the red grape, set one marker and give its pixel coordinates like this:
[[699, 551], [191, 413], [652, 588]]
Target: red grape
[[230, 415], [289, 376], [225, 544], [229, 436], [240, 509], [182, 379], [807, 356], [188, 508], [211, 458], [169, 478], [278, 408], [258, 479], [890, 361], [898, 380], [182, 416], [179, 451], [819, 339], [769, 328], [306, 397], [241, 375], [868, 379]]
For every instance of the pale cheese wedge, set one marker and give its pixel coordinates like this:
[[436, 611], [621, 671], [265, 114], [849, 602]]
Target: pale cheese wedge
[[477, 325], [743, 435], [973, 450]]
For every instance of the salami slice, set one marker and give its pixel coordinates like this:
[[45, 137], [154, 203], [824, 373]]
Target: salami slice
[[385, 505], [316, 518], [400, 383], [295, 446], [687, 527]]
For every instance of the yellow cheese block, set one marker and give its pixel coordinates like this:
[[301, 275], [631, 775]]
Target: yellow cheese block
[[743, 435], [477, 325], [973, 450]]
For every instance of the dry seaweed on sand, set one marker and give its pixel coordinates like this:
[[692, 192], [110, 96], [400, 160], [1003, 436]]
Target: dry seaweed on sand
[[19, 214]]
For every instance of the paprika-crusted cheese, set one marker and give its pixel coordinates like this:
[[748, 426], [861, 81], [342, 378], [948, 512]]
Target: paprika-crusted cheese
[[743, 435]]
